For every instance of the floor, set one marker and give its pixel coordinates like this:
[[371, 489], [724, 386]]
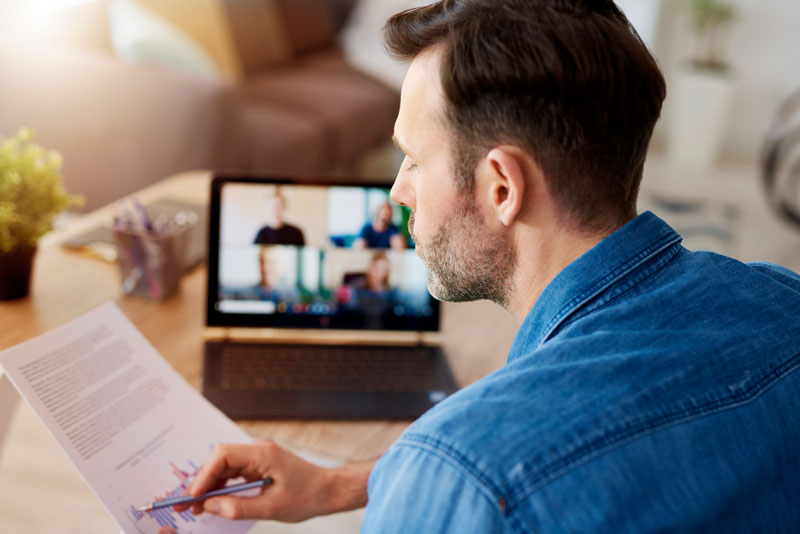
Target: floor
[[723, 211]]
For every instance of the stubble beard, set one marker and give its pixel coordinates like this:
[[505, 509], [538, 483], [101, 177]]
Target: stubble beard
[[465, 260]]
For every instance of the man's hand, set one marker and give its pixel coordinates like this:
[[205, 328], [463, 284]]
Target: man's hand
[[300, 489]]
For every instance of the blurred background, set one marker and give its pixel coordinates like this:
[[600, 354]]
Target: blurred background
[[132, 91]]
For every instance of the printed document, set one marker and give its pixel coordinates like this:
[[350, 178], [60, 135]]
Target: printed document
[[132, 426]]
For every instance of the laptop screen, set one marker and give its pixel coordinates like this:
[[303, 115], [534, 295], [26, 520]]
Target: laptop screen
[[328, 256]]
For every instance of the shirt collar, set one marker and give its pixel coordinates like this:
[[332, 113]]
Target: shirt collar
[[592, 274]]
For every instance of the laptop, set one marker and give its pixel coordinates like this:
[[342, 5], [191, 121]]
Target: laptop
[[317, 305]]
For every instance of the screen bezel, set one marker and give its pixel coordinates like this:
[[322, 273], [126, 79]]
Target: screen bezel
[[215, 318]]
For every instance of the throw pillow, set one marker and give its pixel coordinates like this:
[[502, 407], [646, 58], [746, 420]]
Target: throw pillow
[[362, 39], [140, 36]]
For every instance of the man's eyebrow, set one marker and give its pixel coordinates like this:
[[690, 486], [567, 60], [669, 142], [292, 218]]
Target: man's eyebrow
[[399, 145]]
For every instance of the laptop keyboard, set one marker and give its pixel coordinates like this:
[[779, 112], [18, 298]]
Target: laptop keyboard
[[321, 368]]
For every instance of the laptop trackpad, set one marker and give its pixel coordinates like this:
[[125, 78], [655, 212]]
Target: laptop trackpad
[[329, 404]]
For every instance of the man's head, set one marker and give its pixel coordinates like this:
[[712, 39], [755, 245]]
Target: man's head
[[275, 208], [378, 272], [569, 81], [566, 86], [270, 268]]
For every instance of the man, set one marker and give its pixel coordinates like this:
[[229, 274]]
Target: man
[[271, 285], [275, 230], [649, 388], [381, 232]]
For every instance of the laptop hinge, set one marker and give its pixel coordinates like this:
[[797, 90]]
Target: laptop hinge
[[324, 337]]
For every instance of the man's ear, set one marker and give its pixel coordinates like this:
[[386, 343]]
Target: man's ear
[[506, 173]]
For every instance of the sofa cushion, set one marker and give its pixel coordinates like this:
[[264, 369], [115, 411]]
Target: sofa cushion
[[356, 110], [267, 33], [269, 139], [259, 34], [313, 24]]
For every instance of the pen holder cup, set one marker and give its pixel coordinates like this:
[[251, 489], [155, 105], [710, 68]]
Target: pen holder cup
[[151, 264]]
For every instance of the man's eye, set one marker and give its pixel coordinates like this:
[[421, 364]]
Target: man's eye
[[412, 167]]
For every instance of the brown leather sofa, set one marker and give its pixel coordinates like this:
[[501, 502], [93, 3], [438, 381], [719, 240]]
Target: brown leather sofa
[[306, 110], [294, 107]]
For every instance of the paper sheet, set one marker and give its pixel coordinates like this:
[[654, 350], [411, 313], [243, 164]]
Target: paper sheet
[[8, 401], [126, 419]]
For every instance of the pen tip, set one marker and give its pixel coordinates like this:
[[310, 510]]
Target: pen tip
[[145, 508]]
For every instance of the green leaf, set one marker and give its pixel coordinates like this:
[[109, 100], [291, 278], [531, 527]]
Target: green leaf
[[31, 191]]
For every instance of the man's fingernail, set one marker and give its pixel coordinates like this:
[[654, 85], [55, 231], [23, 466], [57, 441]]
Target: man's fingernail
[[211, 506]]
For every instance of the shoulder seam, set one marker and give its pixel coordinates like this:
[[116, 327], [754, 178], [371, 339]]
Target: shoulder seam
[[629, 432]]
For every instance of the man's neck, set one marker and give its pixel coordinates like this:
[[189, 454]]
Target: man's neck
[[538, 265]]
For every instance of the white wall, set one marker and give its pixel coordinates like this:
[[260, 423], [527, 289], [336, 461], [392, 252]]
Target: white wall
[[764, 50]]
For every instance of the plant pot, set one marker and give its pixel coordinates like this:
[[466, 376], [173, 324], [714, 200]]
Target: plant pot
[[700, 108], [15, 273]]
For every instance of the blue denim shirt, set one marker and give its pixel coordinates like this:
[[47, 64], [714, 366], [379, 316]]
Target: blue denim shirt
[[650, 389]]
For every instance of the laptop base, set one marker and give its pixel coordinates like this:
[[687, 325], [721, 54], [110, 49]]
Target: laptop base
[[329, 394]]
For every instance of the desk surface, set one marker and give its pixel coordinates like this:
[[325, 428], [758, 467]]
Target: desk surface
[[476, 336]]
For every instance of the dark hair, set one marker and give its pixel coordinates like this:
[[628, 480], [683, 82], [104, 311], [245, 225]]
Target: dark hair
[[569, 81]]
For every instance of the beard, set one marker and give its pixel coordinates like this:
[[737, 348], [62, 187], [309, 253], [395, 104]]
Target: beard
[[466, 261]]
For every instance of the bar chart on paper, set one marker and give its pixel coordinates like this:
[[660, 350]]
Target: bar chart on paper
[[166, 478], [167, 517], [154, 472]]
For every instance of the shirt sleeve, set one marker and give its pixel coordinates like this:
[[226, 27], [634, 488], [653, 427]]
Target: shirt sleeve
[[415, 490], [259, 239], [366, 232], [777, 272]]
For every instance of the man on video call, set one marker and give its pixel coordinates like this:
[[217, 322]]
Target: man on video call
[[649, 388]]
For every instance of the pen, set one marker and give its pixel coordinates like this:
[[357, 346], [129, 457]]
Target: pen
[[189, 499], [144, 217]]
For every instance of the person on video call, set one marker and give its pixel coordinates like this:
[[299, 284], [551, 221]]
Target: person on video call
[[649, 388], [275, 231], [381, 232], [271, 269], [374, 297], [377, 278]]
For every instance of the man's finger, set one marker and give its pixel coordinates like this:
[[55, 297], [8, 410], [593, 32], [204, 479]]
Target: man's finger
[[198, 506], [238, 507], [226, 461]]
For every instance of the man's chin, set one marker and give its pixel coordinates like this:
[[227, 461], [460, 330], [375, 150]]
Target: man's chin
[[434, 291], [443, 295], [441, 292], [420, 252]]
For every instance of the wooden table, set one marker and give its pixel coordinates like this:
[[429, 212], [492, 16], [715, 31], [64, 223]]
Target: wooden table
[[476, 336]]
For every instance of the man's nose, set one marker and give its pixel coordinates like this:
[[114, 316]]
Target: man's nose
[[403, 190]]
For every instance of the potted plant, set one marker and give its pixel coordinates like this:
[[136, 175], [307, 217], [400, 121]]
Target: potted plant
[[703, 88], [31, 195]]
